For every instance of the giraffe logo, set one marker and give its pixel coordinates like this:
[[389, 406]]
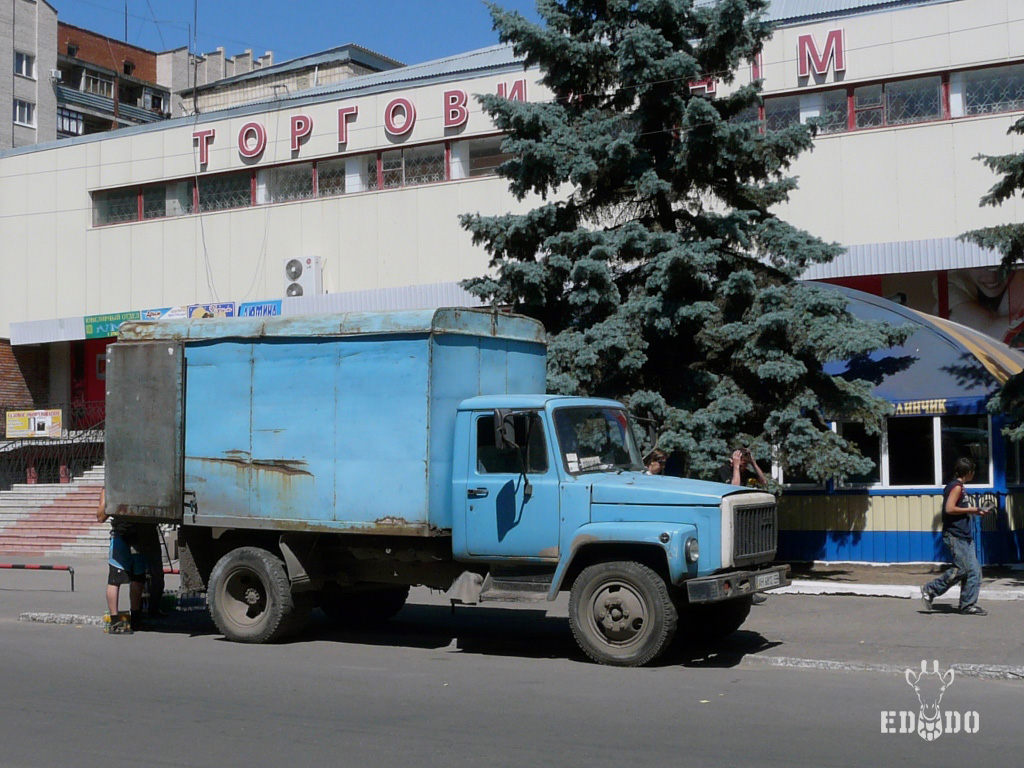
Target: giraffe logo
[[930, 721]]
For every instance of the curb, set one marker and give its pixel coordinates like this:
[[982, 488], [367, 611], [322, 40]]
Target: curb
[[981, 671], [62, 618], [903, 591]]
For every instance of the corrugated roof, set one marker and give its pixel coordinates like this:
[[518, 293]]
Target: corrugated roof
[[786, 12], [906, 256], [103, 104]]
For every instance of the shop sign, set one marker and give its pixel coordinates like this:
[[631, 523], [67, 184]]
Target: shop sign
[[165, 313], [33, 424], [223, 309], [260, 308], [398, 117], [920, 408], [105, 326]]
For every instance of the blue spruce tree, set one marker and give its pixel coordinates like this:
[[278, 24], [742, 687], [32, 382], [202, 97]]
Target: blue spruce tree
[[653, 258]]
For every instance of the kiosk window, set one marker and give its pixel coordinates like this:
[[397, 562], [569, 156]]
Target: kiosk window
[[965, 436], [870, 446], [911, 451]]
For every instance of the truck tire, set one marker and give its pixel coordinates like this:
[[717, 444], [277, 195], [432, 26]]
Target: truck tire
[[714, 621], [250, 597], [621, 613], [358, 609]]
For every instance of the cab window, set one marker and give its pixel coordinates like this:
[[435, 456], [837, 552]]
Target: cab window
[[532, 451]]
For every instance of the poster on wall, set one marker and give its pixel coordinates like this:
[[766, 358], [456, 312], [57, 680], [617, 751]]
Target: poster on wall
[[33, 424], [223, 309], [165, 313], [990, 301]]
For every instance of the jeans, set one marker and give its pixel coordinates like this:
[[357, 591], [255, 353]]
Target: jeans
[[965, 570]]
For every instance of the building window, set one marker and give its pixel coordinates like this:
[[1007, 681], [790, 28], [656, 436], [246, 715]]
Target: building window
[[102, 86], [781, 112], [153, 101], [69, 122], [115, 206], [73, 50], [898, 103], [129, 67], [1000, 89], [391, 169], [833, 112], [423, 165], [24, 113], [283, 184], [24, 64], [485, 156], [911, 451], [230, 190], [330, 177], [965, 437]]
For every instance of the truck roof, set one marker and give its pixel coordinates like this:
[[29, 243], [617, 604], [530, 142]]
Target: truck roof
[[490, 402], [444, 320]]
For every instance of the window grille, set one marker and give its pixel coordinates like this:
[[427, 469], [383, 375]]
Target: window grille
[[281, 185], [994, 90], [154, 202], [913, 101], [391, 169], [330, 177], [869, 105], [748, 115], [370, 172], [834, 116], [232, 190], [781, 112], [116, 206], [424, 165]]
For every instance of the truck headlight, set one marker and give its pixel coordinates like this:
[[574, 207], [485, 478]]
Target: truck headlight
[[692, 550]]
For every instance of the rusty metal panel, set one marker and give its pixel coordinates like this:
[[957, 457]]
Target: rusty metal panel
[[144, 423]]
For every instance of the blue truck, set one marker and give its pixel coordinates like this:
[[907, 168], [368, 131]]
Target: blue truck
[[334, 461]]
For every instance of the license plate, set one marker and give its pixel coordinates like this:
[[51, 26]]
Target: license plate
[[765, 580]]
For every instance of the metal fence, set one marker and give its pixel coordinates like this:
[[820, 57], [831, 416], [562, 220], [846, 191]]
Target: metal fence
[[54, 459]]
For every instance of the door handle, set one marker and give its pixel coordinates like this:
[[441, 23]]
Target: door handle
[[476, 493]]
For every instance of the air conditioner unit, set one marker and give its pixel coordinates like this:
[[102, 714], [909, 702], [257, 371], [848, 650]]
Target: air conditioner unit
[[303, 276], [56, 76]]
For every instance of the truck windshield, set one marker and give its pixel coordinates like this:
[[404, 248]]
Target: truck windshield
[[596, 439]]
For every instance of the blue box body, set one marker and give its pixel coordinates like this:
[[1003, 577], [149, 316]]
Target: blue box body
[[338, 423]]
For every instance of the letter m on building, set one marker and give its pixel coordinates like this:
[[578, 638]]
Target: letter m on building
[[810, 59]]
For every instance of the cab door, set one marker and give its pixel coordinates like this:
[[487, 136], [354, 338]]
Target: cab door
[[509, 514]]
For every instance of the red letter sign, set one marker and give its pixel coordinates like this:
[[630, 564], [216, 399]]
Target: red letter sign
[[252, 131], [705, 84], [455, 111], [302, 126], [808, 57], [399, 129], [205, 138], [343, 115], [516, 93]]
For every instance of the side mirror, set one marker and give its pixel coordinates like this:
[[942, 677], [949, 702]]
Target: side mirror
[[504, 429]]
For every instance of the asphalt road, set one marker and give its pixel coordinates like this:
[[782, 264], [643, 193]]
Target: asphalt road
[[484, 688]]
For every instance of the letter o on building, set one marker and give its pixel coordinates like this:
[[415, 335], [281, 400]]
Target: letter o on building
[[252, 140], [403, 110]]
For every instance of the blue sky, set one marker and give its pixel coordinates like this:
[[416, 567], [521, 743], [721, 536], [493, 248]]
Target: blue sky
[[411, 31]]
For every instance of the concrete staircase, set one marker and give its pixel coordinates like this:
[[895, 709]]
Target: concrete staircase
[[54, 519]]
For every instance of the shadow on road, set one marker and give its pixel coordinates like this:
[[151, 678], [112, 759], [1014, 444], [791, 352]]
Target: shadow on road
[[518, 633]]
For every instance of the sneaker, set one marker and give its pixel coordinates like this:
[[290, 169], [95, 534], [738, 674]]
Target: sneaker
[[758, 598], [118, 628], [926, 598], [973, 610]]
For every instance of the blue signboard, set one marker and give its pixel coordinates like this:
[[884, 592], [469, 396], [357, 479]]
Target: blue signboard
[[223, 309], [270, 308]]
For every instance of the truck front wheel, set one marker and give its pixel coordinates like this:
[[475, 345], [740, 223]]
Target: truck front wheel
[[250, 596], [621, 613]]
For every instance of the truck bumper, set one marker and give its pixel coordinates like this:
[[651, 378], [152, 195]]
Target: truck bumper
[[725, 586]]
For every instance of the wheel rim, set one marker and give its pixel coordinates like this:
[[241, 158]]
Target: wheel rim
[[618, 614], [243, 598]]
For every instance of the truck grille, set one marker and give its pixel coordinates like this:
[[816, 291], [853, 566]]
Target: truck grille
[[754, 534]]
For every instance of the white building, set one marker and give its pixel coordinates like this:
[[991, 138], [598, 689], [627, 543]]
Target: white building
[[367, 177]]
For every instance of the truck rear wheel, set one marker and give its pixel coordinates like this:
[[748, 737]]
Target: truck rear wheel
[[356, 609], [250, 597], [621, 613]]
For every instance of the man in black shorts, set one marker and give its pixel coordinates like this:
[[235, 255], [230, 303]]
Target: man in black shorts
[[127, 566]]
